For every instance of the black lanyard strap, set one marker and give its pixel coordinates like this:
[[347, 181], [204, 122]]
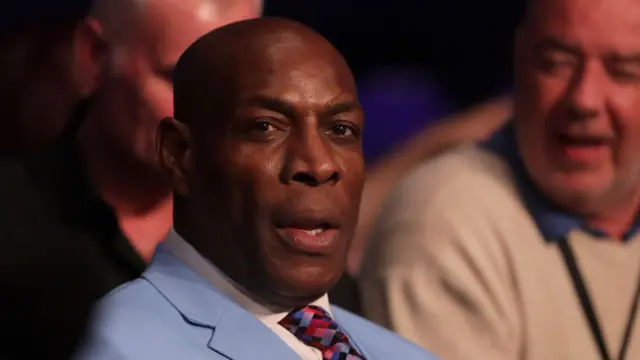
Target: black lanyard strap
[[587, 306]]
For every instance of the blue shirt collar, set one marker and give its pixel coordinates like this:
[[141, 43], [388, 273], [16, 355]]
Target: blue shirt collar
[[554, 223]]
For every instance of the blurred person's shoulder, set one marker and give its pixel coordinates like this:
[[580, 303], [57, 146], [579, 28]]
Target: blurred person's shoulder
[[13, 172], [19, 191], [29, 212], [26, 182], [37, 194], [60, 249], [464, 172], [19, 203], [464, 198]]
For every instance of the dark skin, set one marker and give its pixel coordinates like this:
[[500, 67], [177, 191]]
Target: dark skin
[[265, 145]]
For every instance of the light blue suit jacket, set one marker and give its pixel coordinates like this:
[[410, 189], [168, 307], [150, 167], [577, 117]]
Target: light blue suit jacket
[[170, 313]]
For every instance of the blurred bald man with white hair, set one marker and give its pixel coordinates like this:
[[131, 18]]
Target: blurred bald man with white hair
[[128, 50], [86, 214]]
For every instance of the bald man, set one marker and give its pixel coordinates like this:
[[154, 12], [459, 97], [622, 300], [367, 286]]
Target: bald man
[[118, 141], [86, 214], [266, 158]]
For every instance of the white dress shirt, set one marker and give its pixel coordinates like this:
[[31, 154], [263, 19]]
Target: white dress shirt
[[203, 267]]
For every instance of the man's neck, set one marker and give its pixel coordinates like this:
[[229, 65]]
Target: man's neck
[[140, 197], [618, 219]]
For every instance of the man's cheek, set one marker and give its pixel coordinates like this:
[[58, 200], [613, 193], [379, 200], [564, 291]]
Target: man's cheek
[[159, 97]]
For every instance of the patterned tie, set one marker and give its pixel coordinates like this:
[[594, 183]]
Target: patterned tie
[[313, 326]]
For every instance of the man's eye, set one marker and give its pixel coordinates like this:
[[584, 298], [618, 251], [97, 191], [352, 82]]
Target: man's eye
[[343, 130], [263, 126], [552, 63], [625, 75]]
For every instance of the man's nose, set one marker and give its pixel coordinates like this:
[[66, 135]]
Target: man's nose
[[311, 161], [586, 94]]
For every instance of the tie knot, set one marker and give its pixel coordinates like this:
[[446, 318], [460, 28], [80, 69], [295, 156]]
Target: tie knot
[[314, 327], [310, 316]]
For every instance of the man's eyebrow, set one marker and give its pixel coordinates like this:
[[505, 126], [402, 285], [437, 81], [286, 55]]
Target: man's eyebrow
[[341, 108], [624, 58], [272, 103], [286, 109], [550, 43]]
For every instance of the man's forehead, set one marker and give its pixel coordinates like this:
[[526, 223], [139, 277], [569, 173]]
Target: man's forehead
[[592, 25], [299, 97], [304, 72], [265, 58]]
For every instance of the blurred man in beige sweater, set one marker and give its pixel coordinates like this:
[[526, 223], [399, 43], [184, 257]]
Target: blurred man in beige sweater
[[526, 247]]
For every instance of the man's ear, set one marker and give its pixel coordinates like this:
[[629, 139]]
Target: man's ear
[[91, 54], [173, 145]]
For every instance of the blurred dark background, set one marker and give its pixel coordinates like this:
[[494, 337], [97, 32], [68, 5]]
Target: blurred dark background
[[415, 60]]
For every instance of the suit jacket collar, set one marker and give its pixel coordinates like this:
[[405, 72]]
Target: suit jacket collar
[[348, 330], [202, 305]]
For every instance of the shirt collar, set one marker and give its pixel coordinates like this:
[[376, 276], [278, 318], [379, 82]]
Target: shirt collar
[[186, 253], [553, 222]]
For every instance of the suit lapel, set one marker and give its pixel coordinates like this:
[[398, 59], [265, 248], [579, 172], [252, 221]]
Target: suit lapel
[[236, 333], [239, 335], [348, 330]]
